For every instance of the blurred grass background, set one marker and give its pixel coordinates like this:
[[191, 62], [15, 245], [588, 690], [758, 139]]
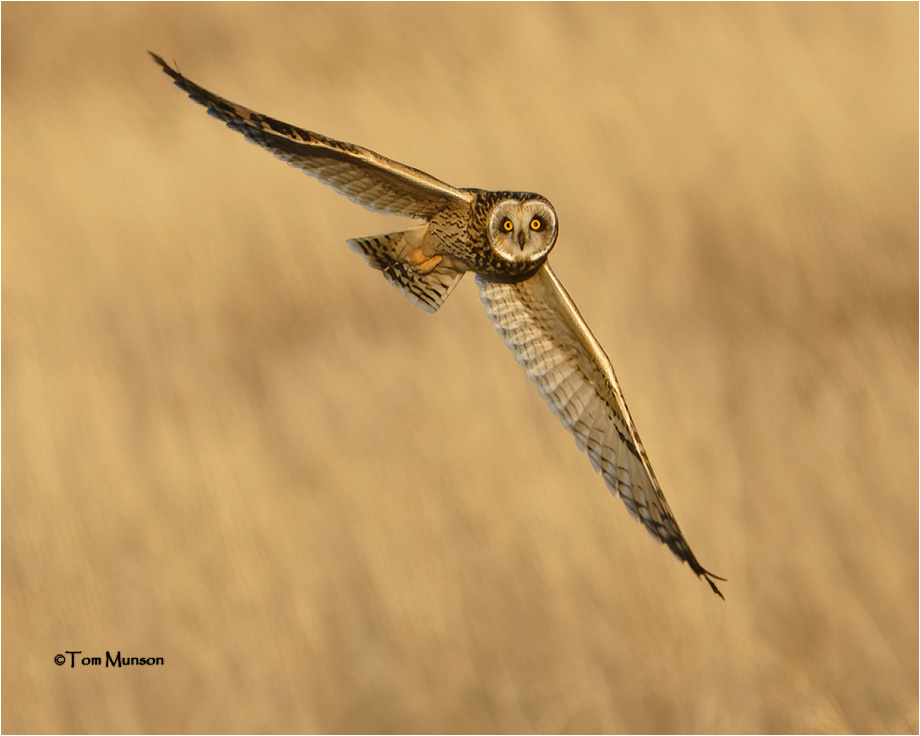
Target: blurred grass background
[[231, 444]]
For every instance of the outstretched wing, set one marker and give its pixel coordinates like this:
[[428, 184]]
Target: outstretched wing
[[365, 177], [550, 339]]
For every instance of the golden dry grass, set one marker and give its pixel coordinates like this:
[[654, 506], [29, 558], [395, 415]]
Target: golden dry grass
[[231, 444]]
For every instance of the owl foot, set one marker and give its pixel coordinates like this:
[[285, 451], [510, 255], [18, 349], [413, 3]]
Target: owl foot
[[422, 264], [426, 281]]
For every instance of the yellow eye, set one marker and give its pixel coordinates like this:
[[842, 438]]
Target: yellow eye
[[507, 225], [536, 224]]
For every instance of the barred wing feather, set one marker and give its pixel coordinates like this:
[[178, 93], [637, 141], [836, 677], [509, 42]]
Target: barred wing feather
[[550, 339], [367, 178]]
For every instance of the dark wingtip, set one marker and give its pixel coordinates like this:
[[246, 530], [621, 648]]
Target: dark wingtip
[[708, 577], [166, 67], [198, 94], [158, 59]]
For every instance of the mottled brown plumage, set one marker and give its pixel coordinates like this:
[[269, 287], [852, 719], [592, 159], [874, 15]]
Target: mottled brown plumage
[[504, 238]]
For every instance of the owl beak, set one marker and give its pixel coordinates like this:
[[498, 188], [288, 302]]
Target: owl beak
[[522, 236]]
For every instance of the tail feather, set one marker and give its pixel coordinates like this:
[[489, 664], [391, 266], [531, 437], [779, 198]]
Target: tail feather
[[400, 258]]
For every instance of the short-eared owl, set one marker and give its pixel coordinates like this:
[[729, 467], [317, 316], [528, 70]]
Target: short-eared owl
[[503, 238]]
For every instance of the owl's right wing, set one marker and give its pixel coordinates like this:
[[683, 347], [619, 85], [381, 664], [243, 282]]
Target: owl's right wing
[[367, 178], [552, 342]]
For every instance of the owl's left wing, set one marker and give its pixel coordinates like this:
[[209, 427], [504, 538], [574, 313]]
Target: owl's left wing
[[550, 339], [367, 178]]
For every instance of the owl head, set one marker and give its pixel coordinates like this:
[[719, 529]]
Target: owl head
[[522, 230]]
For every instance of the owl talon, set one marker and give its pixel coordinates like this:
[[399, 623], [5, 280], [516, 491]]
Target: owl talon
[[422, 264]]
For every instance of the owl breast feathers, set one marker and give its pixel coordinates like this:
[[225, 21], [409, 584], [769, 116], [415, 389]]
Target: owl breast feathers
[[504, 238]]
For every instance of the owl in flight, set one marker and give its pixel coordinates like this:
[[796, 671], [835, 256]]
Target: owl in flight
[[503, 238]]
